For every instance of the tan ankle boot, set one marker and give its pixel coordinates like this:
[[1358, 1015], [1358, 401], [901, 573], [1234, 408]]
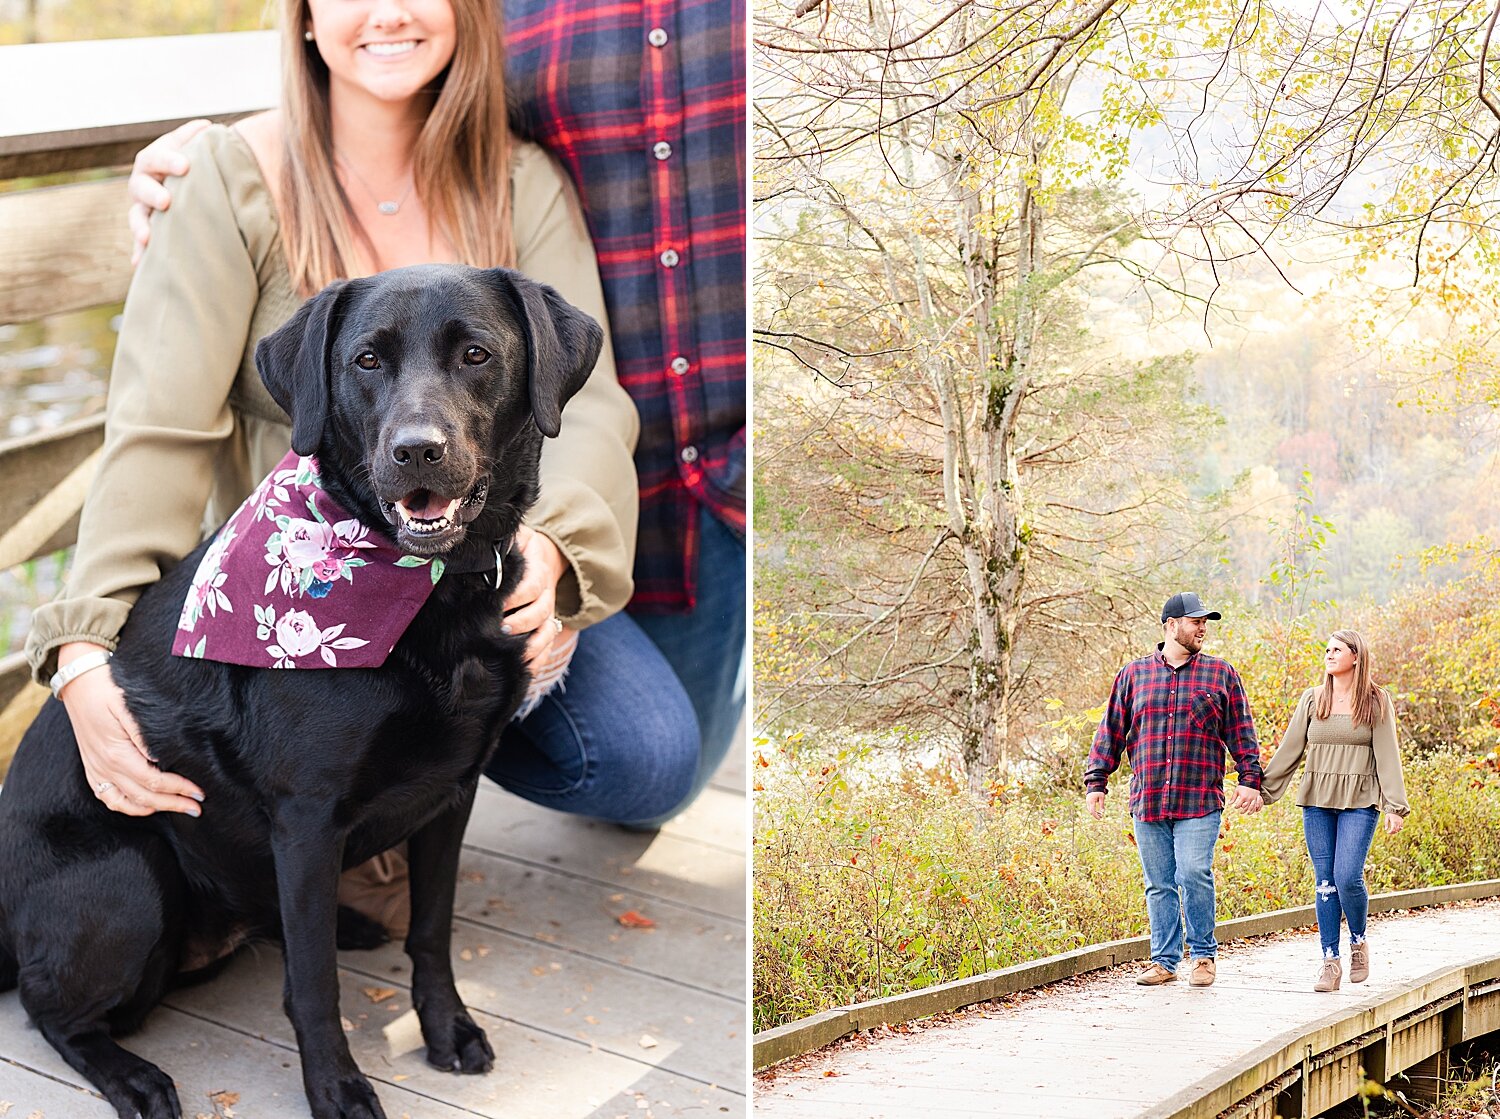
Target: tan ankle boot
[[1328, 976], [1359, 962]]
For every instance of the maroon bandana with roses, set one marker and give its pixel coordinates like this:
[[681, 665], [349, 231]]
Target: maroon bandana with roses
[[293, 581]]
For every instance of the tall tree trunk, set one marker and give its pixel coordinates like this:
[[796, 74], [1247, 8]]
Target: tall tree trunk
[[994, 541]]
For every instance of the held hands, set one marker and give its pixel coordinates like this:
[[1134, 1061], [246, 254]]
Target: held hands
[[153, 163], [1248, 800], [532, 606], [1095, 805], [119, 769]]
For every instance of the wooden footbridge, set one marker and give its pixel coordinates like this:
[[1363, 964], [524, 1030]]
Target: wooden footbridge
[[1088, 1043]]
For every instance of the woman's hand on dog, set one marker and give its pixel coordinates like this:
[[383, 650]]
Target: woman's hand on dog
[[115, 759], [533, 604]]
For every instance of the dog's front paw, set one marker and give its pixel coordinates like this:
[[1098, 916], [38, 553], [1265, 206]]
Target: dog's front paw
[[347, 1097], [465, 1050]]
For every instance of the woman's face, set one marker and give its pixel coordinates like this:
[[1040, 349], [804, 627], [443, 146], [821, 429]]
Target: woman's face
[[1338, 658], [390, 49]]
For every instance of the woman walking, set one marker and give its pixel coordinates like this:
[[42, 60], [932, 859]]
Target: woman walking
[[1346, 728]]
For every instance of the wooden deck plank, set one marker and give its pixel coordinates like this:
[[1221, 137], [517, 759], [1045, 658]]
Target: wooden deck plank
[[686, 946], [661, 866], [1092, 1034]]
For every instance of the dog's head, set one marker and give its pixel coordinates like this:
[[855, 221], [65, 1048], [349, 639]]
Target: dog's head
[[425, 387]]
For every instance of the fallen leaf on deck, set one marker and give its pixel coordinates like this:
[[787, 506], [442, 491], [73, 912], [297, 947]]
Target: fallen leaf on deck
[[647, 1041], [466, 954], [633, 920], [379, 994]]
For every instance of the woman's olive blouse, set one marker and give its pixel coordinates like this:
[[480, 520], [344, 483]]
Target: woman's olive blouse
[[190, 430], [1348, 766]]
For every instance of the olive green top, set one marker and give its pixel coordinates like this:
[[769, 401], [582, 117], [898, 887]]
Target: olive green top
[[1348, 766], [190, 430]]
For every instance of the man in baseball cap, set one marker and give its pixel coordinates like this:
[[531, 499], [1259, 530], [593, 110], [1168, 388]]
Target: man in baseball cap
[[1175, 713]]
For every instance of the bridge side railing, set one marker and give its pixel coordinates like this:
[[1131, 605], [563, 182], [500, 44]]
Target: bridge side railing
[[86, 107], [793, 1039]]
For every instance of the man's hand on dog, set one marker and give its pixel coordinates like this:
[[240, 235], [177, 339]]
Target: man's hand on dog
[[115, 760], [532, 607], [153, 163]]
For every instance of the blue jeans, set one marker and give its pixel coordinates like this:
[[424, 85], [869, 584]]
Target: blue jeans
[[621, 740], [618, 741], [706, 649], [1338, 840], [1177, 858]]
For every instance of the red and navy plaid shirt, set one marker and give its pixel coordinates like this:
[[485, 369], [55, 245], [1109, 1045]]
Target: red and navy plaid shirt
[[643, 101], [1175, 723]]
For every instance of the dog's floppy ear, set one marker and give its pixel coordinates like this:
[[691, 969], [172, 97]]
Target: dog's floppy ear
[[293, 363], [562, 345]]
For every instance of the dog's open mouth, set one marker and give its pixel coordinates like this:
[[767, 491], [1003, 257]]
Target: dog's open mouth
[[428, 521]]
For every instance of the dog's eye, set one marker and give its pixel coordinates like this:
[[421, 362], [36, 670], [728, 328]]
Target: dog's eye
[[367, 360], [476, 356]]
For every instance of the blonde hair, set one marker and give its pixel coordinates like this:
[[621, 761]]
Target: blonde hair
[[461, 167], [1367, 706]]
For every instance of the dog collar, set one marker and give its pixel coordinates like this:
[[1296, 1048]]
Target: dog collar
[[294, 581]]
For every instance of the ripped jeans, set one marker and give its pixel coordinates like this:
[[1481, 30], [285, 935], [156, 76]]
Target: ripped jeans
[[1338, 839]]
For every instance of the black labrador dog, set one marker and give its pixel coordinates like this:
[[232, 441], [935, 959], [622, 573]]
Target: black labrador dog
[[426, 393]]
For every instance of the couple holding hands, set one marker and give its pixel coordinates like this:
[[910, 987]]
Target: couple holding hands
[[1175, 712]]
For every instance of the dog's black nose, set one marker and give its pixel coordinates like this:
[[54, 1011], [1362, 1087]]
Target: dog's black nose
[[422, 446]]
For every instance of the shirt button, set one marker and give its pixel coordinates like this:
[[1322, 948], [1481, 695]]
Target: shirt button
[[661, 149], [690, 454], [670, 258], [657, 37], [680, 365]]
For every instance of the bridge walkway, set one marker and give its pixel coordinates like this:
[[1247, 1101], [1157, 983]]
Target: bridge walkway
[[1100, 1047]]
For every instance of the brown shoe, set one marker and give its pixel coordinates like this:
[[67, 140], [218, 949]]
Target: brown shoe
[[380, 889], [1359, 962], [1155, 975], [1202, 973], [1328, 977]]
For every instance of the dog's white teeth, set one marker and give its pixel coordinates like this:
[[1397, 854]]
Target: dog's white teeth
[[452, 508], [427, 528]]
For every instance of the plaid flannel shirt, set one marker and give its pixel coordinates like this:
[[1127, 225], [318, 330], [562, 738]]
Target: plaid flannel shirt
[[643, 102], [1175, 723]]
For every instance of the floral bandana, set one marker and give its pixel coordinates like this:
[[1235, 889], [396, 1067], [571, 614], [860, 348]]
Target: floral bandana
[[293, 581]]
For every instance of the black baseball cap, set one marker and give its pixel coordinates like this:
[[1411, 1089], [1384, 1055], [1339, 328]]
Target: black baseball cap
[[1185, 604]]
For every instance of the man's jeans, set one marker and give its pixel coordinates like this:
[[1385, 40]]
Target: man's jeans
[[620, 740], [1177, 857], [1338, 841], [706, 648]]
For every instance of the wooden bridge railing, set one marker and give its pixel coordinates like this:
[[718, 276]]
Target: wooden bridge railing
[[89, 106]]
